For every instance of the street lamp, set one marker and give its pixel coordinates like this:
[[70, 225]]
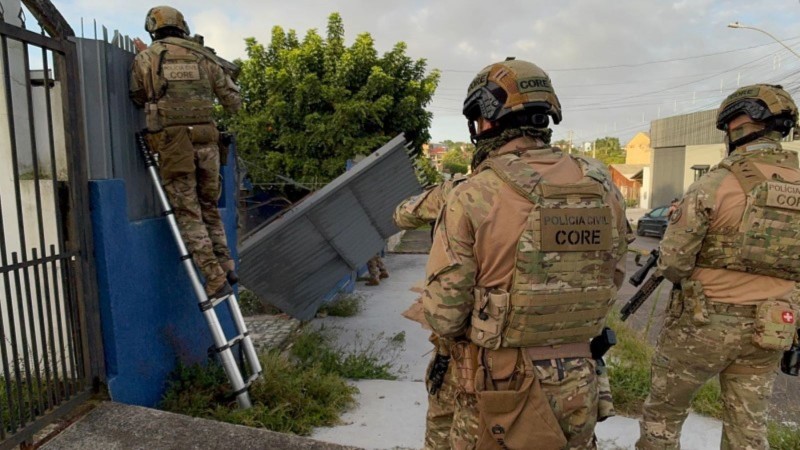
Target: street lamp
[[739, 25]]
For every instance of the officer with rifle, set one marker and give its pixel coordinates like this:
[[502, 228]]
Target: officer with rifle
[[731, 246]]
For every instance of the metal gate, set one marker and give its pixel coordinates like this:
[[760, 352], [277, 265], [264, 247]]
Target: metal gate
[[50, 353]]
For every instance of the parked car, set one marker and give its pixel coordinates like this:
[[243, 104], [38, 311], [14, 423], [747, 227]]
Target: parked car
[[654, 222]]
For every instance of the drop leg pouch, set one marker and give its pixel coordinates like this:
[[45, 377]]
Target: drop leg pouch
[[519, 417]]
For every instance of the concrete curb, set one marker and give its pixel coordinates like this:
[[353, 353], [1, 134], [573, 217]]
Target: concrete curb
[[113, 426]]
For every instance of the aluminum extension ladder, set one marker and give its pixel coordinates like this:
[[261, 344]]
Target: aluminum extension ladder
[[222, 345]]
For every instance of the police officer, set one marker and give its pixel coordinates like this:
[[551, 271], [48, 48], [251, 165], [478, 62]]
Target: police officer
[[523, 270], [732, 245], [412, 213], [176, 81]]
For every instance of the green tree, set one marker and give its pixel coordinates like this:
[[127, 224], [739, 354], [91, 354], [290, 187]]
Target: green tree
[[310, 105], [609, 151], [456, 161], [426, 172]]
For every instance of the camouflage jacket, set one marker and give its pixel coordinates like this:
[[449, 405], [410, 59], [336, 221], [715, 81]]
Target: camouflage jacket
[[465, 254], [702, 209], [424, 208], [144, 82]]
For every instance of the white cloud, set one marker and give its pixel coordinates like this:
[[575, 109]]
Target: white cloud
[[462, 36]]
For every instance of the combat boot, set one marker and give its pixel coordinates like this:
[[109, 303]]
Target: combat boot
[[384, 274], [230, 273], [374, 281], [224, 291]]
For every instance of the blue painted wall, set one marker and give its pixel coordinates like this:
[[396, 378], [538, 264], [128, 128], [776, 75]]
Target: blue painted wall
[[149, 314]]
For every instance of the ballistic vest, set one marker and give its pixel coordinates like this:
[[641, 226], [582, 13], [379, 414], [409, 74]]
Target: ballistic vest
[[563, 283], [181, 91], [767, 242]]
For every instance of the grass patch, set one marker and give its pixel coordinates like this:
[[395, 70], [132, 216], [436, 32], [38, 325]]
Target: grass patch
[[371, 361], [783, 437], [34, 398], [288, 398], [251, 305], [344, 305]]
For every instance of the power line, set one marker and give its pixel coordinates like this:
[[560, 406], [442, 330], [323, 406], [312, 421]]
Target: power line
[[661, 61]]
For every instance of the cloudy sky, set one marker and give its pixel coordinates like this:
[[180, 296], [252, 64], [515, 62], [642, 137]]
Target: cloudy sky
[[616, 65]]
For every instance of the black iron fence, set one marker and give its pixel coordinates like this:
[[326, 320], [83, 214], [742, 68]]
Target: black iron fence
[[50, 351]]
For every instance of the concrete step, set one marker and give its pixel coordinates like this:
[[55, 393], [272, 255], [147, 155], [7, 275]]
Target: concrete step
[[113, 426]]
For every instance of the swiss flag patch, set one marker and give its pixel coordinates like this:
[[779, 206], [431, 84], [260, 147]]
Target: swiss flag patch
[[788, 317]]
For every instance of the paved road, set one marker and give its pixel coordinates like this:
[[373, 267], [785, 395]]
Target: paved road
[[391, 414]]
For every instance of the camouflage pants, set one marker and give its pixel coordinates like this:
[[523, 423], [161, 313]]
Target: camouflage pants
[[194, 196], [439, 419], [570, 386], [376, 267], [687, 356]]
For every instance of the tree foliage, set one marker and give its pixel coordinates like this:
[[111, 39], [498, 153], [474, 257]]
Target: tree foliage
[[456, 161], [311, 104], [609, 151], [426, 172]]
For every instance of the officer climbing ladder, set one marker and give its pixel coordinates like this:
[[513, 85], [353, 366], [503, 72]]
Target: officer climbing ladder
[[222, 346]]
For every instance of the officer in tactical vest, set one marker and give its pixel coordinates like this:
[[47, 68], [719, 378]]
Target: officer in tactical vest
[[732, 247], [412, 213], [176, 81], [525, 264]]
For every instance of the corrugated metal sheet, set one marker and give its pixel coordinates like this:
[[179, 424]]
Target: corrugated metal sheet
[[294, 261], [111, 121], [687, 129]]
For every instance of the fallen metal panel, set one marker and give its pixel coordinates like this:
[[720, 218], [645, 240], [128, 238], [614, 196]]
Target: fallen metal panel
[[294, 261]]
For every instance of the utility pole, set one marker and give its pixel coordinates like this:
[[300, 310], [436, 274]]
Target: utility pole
[[569, 133]]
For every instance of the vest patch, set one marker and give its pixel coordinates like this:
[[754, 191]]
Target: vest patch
[[576, 230], [783, 195], [181, 71]]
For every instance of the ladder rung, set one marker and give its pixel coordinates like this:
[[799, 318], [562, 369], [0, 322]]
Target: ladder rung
[[252, 379], [232, 342], [212, 303]]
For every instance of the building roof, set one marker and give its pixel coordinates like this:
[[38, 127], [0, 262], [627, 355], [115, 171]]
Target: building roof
[[628, 170]]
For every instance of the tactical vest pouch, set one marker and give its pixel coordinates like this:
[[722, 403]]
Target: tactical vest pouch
[[203, 134], [695, 302], [775, 327], [513, 410], [465, 356], [540, 319], [176, 153], [675, 306], [488, 317]]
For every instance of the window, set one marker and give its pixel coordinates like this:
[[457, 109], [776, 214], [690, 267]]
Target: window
[[700, 170]]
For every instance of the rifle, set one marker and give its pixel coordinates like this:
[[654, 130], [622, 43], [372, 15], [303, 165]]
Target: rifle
[[646, 290]]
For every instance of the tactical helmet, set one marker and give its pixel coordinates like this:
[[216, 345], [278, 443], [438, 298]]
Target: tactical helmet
[[765, 103], [164, 16], [511, 87]]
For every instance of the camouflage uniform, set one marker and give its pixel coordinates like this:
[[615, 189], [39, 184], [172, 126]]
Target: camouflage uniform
[[412, 213], [716, 321], [176, 81], [569, 383], [376, 268]]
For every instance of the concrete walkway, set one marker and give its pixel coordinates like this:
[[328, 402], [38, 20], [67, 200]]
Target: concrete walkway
[[391, 414]]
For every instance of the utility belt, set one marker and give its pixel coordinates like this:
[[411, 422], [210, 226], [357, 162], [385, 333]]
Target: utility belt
[[774, 320], [175, 147]]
